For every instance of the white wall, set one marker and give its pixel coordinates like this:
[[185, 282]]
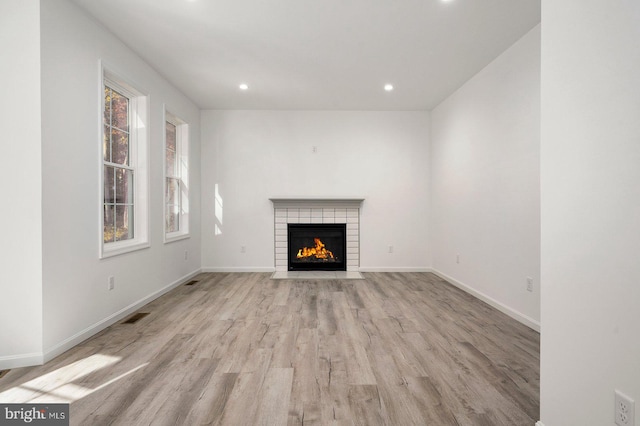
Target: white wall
[[21, 212], [590, 166], [485, 191], [252, 156], [76, 301]]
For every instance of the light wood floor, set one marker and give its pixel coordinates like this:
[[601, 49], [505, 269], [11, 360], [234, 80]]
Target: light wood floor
[[241, 349]]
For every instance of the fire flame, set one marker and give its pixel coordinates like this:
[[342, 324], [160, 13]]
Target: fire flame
[[318, 251]]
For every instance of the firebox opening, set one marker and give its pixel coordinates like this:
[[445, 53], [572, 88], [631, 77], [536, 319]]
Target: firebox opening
[[320, 247]]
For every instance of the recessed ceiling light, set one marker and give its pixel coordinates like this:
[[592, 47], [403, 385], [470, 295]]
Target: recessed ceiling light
[[388, 87], [244, 86]]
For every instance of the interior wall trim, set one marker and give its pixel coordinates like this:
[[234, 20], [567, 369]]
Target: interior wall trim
[[21, 360], [83, 335], [518, 316], [238, 269], [394, 269]]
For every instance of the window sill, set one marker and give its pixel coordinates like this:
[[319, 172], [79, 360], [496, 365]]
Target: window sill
[[116, 249], [176, 236]]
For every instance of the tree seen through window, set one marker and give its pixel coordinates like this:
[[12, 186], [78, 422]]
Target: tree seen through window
[[118, 174]]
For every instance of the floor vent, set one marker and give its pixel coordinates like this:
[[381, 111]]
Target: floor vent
[[3, 373], [192, 282], [135, 318]]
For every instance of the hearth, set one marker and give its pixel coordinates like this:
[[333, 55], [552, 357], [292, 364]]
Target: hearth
[[317, 247]]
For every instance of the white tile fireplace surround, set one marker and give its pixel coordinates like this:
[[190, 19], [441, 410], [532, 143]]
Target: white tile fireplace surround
[[310, 210]]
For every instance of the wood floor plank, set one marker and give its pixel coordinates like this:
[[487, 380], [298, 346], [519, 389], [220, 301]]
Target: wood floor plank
[[334, 387], [305, 390], [274, 397], [242, 349], [352, 345], [209, 406], [242, 405], [282, 289], [365, 404]]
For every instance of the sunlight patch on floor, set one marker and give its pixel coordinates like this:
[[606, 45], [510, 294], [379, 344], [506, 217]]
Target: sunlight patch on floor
[[58, 386]]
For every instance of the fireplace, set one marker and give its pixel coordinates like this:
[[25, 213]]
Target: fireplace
[[316, 211], [317, 247]]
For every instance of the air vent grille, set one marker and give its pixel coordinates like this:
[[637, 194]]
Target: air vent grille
[[135, 318]]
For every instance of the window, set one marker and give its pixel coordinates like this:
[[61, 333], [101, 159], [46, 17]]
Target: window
[[118, 171], [124, 168], [176, 207]]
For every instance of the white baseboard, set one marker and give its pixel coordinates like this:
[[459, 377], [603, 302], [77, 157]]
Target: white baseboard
[[238, 269], [539, 423], [22, 360], [394, 269], [111, 319], [518, 316]]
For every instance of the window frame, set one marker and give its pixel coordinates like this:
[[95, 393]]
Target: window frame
[[138, 163], [182, 175]]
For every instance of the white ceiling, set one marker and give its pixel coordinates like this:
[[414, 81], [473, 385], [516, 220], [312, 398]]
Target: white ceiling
[[317, 54]]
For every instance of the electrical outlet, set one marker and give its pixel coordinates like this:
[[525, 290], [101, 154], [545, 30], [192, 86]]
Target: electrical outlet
[[243, 249], [111, 283], [314, 149], [390, 249], [457, 258], [186, 254], [625, 409], [529, 284]]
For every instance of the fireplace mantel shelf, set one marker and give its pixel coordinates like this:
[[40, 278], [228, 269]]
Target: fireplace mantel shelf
[[293, 203]]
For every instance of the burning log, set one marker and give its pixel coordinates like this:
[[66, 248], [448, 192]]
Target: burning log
[[317, 252]]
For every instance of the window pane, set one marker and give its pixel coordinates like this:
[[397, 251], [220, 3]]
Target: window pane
[[130, 187], [171, 136], [119, 147], [109, 184], [124, 222], [173, 191], [119, 111], [171, 158], [108, 233], [106, 147], [107, 105], [123, 186], [171, 163], [172, 219]]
